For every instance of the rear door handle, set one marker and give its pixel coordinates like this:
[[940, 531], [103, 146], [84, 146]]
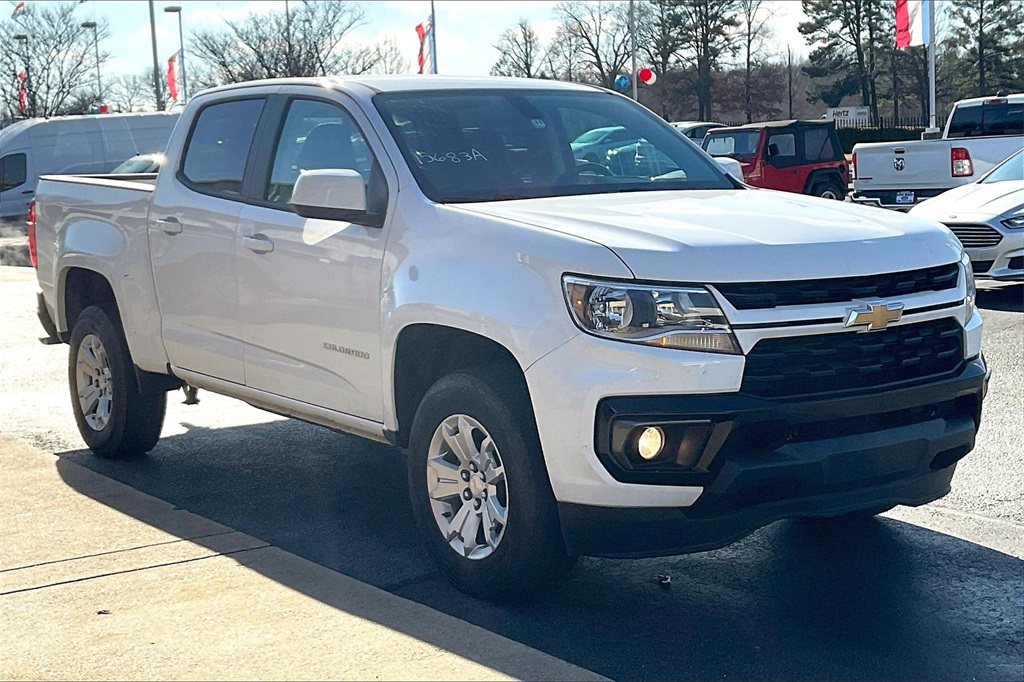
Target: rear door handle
[[169, 225], [258, 243]]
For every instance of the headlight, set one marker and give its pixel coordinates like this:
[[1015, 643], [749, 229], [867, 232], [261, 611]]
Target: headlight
[[670, 317], [965, 262], [1014, 222]]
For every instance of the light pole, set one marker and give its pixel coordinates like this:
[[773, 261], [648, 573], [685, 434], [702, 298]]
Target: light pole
[[176, 9], [96, 44], [23, 39]]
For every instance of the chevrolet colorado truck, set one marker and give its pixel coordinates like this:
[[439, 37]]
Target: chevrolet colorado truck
[[979, 133], [576, 361]]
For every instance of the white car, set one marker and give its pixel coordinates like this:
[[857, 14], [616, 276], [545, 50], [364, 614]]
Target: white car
[[987, 217], [578, 359]]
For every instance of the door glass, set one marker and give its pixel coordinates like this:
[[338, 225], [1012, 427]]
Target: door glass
[[316, 135], [219, 147], [12, 171], [784, 147]]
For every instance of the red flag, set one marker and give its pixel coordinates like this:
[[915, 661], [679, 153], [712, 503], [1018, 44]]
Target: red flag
[[22, 92], [172, 77], [425, 32]]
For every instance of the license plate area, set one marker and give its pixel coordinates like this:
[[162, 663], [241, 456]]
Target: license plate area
[[904, 197]]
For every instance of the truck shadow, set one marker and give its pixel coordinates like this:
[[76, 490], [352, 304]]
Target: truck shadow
[[879, 599], [1007, 298]]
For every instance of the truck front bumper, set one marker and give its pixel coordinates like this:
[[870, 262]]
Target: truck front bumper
[[768, 460]]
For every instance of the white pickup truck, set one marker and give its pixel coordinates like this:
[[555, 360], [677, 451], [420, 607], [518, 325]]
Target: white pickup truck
[[979, 134], [576, 362]]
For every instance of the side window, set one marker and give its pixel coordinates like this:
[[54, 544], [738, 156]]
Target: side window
[[12, 171], [219, 146], [781, 149], [818, 144], [316, 135]]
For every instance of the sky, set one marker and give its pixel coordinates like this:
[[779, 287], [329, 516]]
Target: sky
[[466, 34]]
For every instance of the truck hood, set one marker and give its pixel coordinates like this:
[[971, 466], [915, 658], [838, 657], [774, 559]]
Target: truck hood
[[737, 235], [975, 201]]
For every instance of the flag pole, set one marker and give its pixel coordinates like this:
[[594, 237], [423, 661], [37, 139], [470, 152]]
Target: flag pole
[[433, 39], [632, 42], [931, 67]]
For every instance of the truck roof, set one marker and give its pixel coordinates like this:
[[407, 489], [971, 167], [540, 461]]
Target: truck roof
[[1016, 98], [414, 83]]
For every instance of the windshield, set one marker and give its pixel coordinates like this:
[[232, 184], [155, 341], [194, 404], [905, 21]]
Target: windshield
[[592, 135], [491, 145], [1009, 170], [136, 164], [995, 117], [738, 143]]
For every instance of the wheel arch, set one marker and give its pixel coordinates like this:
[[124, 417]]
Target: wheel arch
[[426, 352], [824, 175]]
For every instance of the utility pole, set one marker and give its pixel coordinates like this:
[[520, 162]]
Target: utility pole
[[288, 38], [156, 59], [789, 74], [932, 128], [96, 44]]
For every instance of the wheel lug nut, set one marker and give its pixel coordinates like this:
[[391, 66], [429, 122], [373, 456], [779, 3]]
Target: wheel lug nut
[[466, 494], [476, 504], [465, 475]]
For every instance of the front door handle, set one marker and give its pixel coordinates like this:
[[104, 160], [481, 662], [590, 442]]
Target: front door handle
[[258, 243], [169, 225]]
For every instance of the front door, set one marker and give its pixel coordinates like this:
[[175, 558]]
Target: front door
[[311, 289], [781, 169], [194, 241]]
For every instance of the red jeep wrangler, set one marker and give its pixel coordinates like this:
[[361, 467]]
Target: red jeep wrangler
[[793, 156]]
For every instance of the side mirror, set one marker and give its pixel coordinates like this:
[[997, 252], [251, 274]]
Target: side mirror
[[731, 166], [773, 149], [330, 194]]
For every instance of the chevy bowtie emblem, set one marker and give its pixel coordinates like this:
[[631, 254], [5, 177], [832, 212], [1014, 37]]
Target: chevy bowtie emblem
[[875, 316]]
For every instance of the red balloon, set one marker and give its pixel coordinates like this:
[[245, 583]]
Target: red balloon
[[104, 108], [646, 76]]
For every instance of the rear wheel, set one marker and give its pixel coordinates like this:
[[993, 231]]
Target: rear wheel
[[113, 416], [829, 189], [480, 490]]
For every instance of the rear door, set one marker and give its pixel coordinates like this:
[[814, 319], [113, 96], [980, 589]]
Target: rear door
[[194, 239], [311, 288]]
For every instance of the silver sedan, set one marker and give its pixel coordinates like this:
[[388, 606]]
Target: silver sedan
[[987, 217]]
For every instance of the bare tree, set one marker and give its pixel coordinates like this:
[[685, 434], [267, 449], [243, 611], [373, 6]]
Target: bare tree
[[131, 92], [308, 41], [754, 33], [660, 37], [521, 52], [602, 30], [564, 58], [58, 55], [389, 58]]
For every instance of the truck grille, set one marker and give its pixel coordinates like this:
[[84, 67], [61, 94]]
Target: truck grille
[[752, 295], [826, 363], [976, 236]]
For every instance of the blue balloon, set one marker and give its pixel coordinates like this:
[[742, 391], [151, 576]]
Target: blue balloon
[[622, 81]]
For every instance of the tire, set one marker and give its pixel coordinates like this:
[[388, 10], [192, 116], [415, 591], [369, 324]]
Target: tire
[[829, 189], [115, 419], [501, 562]]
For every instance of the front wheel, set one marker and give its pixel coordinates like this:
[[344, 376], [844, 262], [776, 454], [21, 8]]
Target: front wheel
[[113, 416], [480, 491]]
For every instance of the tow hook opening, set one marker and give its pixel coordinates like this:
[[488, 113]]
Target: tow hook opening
[[949, 457]]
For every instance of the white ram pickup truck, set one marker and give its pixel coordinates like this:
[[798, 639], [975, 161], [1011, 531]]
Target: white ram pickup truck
[[577, 360], [979, 134]]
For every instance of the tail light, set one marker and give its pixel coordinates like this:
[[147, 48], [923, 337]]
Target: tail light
[[853, 166], [30, 223], [960, 161]]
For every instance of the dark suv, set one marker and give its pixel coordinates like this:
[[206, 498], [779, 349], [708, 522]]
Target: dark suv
[[793, 156]]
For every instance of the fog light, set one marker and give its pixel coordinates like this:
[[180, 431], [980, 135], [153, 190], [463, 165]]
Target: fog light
[[650, 443]]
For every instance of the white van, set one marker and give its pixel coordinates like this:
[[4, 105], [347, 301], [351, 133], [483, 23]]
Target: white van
[[71, 144]]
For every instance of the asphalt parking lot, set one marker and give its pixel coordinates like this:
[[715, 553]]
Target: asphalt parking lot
[[932, 593]]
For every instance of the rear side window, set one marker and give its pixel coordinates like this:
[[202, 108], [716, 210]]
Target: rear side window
[[997, 118], [818, 144], [219, 146], [12, 171]]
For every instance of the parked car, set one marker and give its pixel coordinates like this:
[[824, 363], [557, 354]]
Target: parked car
[[593, 145], [575, 362], [980, 132], [793, 156], [140, 163], [987, 217], [696, 130], [70, 144]]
